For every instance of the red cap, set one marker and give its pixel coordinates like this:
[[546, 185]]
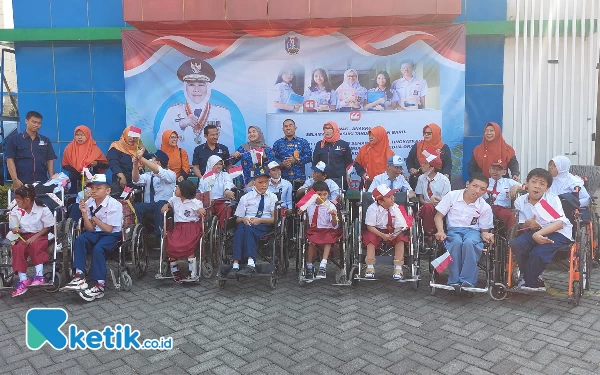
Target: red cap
[[383, 191], [436, 163], [499, 163]]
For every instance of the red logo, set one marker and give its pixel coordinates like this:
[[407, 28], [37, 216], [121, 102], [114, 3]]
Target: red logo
[[355, 116], [309, 105]]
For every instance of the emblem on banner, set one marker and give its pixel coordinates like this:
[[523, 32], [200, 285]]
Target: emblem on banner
[[355, 116], [292, 45], [196, 67], [309, 105]]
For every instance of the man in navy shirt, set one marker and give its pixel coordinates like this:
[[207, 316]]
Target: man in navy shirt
[[207, 149], [29, 155]]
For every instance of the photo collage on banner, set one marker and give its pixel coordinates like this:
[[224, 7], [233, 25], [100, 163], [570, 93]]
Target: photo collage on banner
[[401, 78]]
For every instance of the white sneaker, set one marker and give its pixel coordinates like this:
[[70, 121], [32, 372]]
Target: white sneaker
[[78, 283], [92, 294]]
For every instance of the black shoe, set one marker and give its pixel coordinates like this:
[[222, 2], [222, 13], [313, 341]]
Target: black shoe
[[310, 274], [322, 274], [456, 287], [232, 273], [247, 271], [466, 285]]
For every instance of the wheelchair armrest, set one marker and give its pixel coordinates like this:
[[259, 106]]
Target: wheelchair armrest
[[413, 201]]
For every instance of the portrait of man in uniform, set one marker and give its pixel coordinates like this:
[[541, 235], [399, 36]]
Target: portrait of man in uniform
[[189, 118]]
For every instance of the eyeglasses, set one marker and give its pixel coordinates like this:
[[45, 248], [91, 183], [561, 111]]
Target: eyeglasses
[[327, 128], [427, 133], [351, 76]]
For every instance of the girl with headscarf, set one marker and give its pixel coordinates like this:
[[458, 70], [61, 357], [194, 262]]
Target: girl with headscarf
[[492, 149], [563, 182], [216, 187], [179, 161], [253, 154], [432, 143], [120, 159], [82, 152], [350, 94], [334, 152], [372, 158]]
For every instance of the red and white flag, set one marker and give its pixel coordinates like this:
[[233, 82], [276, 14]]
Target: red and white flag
[[442, 262], [428, 155], [134, 132], [309, 198], [350, 168], [546, 211], [235, 172], [209, 174], [257, 155]]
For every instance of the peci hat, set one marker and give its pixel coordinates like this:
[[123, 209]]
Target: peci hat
[[261, 171], [196, 70], [499, 163], [396, 161], [383, 191], [273, 164], [98, 179], [162, 157]]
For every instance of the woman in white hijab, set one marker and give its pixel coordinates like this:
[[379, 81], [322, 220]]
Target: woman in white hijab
[[350, 94], [564, 182]]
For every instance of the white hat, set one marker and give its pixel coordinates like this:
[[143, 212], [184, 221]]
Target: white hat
[[320, 167], [273, 164], [383, 191], [98, 179]]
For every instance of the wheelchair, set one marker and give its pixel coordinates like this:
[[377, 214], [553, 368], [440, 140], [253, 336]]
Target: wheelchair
[[270, 248], [164, 269], [342, 261], [412, 258]]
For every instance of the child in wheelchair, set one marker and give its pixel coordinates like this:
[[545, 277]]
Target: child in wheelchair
[[564, 184], [545, 228], [320, 172], [431, 187], [322, 230], [219, 185], [102, 218], [385, 221], [501, 191], [276, 183], [183, 239], [30, 222]]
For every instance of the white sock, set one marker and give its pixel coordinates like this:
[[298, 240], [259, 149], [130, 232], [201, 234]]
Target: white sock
[[39, 270], [324, 263], [191, 264], [22, 276], [101, 283], [236, 266], [370, 266], [398, 267], [77, 270], [309, 266], [251, 262]]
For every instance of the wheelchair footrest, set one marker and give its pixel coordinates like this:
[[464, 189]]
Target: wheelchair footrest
[[262, 269]]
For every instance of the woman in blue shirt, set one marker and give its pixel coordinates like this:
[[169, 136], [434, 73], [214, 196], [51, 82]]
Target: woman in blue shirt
[[383, 85], [256, 146], [320, 91], [282, 90], [351, 94]]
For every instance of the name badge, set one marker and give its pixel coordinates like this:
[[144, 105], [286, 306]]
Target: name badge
[[338, 148], [220, 151], [42, 143]]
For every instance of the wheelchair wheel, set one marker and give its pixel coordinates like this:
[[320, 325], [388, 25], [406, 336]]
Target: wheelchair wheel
[[56, 284], [273, 282], [577, 292], [340, 277], [584, 260], [498, 292], [354, 273], [139, 251], [67, 249], [6, 272], [125, 281], [221, 283], [206, 268]]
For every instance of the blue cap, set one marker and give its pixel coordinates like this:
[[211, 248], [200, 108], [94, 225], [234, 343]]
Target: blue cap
[[261, 171], [396, 161], [162, 157]]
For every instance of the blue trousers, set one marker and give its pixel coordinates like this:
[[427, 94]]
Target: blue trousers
[[142, 208], [245, 240], [533, 257], [100, 243], [465, 247]]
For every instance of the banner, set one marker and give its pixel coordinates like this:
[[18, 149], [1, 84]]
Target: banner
[[399, 77]]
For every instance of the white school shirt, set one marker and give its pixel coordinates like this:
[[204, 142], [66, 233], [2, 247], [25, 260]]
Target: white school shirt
[[222, 181], [111, 213], [377, 217], [286, 191], [164, 184], [324, 218], [185, 211], [439, 185], [248, 205], [502, 190], [477, 215], [400, 182], [408, 93], [334, 189], [39, 218], [527, 210]]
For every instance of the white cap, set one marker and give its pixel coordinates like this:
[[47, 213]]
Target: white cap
[[273, 164]]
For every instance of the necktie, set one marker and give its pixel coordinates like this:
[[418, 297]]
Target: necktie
[[315, 217], [261, 206], [429, 191], [391, 183], [152, 191], [94, 212], [390, 226], [494, 192]]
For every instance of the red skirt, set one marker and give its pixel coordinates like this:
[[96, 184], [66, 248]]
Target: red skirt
[[183, 239], [37, 251], [219, 209], [372, 238], [323, 236]]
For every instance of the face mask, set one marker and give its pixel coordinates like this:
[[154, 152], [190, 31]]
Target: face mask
[[276, 180]]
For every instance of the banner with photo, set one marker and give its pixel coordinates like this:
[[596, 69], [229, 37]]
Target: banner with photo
[[399, 77]]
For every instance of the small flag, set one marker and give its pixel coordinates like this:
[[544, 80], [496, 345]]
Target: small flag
[[309, 198], [134, 132], [442, 262], [546, 211], [235, 172], [87, 173], [257, 155], [428, 155], [350, 168], [126, 192], [209, 174]]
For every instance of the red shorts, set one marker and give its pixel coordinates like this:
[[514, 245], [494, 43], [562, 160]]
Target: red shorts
[[323, 236], [37, 251], [372, 238]]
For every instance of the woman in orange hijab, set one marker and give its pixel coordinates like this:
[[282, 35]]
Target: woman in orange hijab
[[492, 149], [372, 158], [432, 143], [120, 154], [179, 161], [82, 152]]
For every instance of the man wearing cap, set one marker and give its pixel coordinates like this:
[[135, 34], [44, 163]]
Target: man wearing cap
[[501, 191], [189, 119], [29, 155], [292, 152], [102, 218], [393, 177], [255, 215], [159, 186], [320, 172], [431, 187], [277, 184]]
